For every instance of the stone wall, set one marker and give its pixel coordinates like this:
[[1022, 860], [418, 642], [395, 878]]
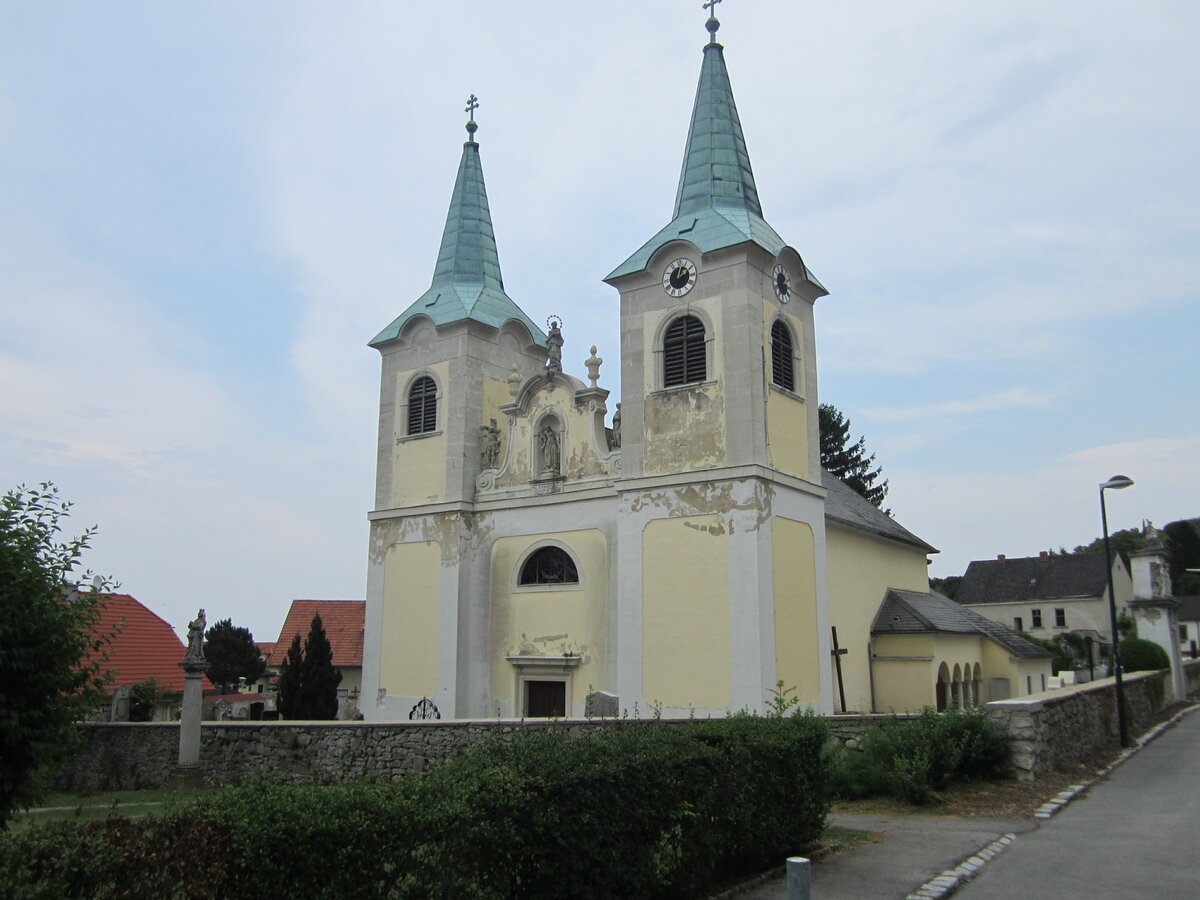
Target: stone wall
[[1056, 729], [1191, 677]]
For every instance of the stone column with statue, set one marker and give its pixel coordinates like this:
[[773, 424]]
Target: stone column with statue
[[189, 774], [1153, 607]]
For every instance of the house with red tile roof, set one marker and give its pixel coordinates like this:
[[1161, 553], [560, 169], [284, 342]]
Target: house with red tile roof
[[144, 646], [343, 623]]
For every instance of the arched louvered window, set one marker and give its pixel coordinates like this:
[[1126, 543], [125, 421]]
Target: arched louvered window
[[549, 565], [783, 371], [683, 352], [422, 406]]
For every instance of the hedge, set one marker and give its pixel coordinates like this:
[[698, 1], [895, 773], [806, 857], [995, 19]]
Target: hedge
[[636, 809]]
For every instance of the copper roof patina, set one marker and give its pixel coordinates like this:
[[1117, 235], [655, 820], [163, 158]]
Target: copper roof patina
[[467, 283], [716, 205]]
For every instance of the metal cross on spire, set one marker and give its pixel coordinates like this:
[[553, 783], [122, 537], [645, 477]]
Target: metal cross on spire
[[712, 24], [472, 105]]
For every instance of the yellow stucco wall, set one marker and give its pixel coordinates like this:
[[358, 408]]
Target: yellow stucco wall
[[787, 413], [797, 652], [685, 590], [409, 633], [684, 425], [860, 571], [903, 684], [550, 620], [419, 463]]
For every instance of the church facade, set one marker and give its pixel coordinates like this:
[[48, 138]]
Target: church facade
[[526, 559]]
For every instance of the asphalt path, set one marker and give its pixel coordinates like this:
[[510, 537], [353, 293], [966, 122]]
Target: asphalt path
[[1134, 834]]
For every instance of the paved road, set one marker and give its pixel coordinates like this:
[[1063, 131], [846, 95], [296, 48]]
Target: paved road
[[1137, 834]]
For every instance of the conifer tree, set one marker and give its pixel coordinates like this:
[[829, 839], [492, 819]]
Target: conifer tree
[[308, 681], [849, 461], [231, 654]]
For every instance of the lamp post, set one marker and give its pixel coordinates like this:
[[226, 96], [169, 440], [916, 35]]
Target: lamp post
[[1117, 482]]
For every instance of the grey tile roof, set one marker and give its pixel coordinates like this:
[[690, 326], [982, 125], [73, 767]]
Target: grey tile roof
[[912, 612], [845, 505], [1189, 609], [1033, 578]]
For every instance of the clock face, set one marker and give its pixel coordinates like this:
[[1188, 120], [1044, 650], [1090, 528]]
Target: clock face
[[783, 284], [679, 277]]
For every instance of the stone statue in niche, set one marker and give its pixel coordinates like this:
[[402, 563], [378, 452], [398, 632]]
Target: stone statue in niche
[[195, 647], [548, 441], [491, 444], [554, 344]]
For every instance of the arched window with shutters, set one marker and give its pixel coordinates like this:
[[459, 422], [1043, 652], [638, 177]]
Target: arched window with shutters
[[684, 354], [422, 406], [783, 363], [549, 565]]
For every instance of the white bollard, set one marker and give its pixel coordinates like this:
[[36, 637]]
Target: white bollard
[[799, 878]]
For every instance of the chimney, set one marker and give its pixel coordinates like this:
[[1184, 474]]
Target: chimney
[[1045, 554], [1000, 557]]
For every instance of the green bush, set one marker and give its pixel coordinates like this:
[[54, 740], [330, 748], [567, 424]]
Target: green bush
[[1141, 655], [912, 759], [639, 809]]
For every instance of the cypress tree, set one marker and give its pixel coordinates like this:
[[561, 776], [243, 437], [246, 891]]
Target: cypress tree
[[308, 681]]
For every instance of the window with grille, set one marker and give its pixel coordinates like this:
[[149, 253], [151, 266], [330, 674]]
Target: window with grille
[[782, 364], [683, 352], [549, 565], [422, 406]]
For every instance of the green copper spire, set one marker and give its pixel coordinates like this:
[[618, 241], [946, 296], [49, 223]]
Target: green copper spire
[[467, 283], [717, 204]]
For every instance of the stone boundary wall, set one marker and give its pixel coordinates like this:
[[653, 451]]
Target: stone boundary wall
[[141, 755], [1055, 729], [1191, 677]]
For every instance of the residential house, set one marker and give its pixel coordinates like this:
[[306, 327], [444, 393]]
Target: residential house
[[1188, 616]]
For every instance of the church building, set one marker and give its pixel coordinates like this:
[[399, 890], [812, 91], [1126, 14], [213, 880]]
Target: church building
[[527, 560]]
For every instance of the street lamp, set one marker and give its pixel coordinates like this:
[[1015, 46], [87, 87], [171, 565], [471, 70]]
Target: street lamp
[[1116, 483]]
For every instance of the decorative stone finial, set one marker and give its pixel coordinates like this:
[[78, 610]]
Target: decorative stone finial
[[554, 343], [712, 24], [593, 366], [472, 105], [514, 381]]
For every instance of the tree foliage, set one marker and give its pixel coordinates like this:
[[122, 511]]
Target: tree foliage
[[1182, 542], [947, 586], [231, 654], [1141, 655], [308, 681], [849, 461], [51, 658], [143, 700]]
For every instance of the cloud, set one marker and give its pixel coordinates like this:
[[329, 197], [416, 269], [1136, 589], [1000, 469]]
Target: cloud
[[1010, 398]]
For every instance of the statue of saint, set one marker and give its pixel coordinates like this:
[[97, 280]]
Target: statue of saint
[[491, 445], [554, 343], [616, 429], [195, 647], [548, 439]]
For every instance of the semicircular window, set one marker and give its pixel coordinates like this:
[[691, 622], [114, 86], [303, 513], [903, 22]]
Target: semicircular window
[[549, 565]]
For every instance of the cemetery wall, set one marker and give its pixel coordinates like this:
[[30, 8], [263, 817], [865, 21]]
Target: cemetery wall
[[1057, 729]]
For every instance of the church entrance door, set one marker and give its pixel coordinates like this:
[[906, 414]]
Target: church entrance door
[[545, 699]]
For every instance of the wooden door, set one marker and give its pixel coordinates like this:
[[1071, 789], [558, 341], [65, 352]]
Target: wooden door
[[545, 699]]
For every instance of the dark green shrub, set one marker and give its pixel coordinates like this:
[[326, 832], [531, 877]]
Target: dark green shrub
[[911, 759], [1141, 655]]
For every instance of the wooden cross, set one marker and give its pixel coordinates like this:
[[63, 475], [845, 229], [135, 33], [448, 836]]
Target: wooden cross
[[837, 652]]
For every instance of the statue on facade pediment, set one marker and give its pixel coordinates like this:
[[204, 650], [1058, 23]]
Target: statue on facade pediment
[[554, 345], [491, 444]]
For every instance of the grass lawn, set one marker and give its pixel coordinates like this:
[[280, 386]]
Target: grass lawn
[[98, 805]]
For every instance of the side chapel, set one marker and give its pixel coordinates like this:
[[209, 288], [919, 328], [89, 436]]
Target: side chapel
[[525, 560]]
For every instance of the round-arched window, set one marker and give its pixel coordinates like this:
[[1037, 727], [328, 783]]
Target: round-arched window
[[549, 565]]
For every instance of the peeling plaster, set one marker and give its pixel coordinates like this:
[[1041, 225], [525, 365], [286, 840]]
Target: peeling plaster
[[685, 430], [450, 531], [709, 499]]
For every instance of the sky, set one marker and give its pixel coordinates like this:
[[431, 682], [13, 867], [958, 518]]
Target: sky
[[209, 209]]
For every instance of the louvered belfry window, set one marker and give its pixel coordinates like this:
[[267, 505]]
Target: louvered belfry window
[[782, 364], [683, 352], [422, 406]]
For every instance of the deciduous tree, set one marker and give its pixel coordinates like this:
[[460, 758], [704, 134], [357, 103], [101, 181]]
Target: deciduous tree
[[51, 657], [231, 654]]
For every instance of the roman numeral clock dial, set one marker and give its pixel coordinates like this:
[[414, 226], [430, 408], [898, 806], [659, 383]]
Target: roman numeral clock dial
[[679, 277]]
